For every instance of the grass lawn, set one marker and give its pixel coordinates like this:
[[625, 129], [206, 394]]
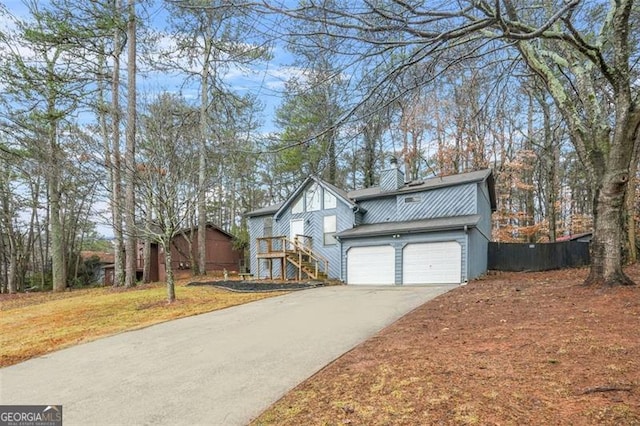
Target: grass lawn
[[510, 349], [37, 323]]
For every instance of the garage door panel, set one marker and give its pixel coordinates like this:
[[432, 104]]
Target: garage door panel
[[371, 265], [432, 263]]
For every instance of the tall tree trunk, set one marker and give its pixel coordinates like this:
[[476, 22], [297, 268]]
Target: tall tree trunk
[[371, 133], [202, 155], [115, 171], [131, 252], [58, 265], [11, 271], [549, 170], [630, 205], [333, 169], [146, 254], [9, 238], [527, 172], [606, 246], [606, 251], [171, 291], [3, 268]]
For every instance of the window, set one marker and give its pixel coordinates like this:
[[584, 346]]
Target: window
[[313, 198], [267, 230], [298, 206], [329, 200], [329, 230]]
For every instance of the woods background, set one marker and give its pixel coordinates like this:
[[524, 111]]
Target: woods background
[[81, 151]]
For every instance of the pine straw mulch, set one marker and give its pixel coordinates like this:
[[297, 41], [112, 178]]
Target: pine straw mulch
[[509, 349]]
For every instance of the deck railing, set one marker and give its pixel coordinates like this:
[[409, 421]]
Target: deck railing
[[272, 245], [303, 247], [293, 251]]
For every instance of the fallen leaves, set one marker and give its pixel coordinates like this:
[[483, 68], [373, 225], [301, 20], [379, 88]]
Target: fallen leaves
[[509, 349]]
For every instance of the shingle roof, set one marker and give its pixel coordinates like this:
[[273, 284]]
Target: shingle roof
[[435, 182], [353, 197], [264, 210], [387, 228]]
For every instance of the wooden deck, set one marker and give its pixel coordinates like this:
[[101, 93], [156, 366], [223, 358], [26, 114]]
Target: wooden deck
[[296, 252]]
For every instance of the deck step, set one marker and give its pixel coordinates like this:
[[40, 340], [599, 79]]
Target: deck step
[[305, 264]]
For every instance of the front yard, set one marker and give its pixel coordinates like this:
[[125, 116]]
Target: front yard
[[510, 349], [37, 323]]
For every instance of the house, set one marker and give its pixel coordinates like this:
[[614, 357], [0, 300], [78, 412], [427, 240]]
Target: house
[[419, 232], [221, 255], [584, 237], [94, 264]]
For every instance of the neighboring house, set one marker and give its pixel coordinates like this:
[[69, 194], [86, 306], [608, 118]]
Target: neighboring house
[[420, 232], [584, 237], [95, 263], [220, 254]]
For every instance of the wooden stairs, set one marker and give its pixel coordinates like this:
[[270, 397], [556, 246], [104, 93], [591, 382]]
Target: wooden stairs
[[309, 264], [297, 252]]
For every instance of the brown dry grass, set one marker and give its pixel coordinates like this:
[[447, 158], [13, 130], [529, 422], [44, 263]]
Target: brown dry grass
[[37, 323], [511, 349]]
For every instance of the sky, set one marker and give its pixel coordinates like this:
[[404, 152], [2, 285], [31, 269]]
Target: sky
[[265, 80]]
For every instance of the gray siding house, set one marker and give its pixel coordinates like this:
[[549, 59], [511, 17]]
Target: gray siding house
[[434, 231]]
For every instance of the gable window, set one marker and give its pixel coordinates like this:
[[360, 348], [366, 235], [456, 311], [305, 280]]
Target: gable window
[[330, 200], [267, 230], [313, 198], [298, 206], [329, 230]]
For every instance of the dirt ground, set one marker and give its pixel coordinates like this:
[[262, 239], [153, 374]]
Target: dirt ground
[[509, 349]]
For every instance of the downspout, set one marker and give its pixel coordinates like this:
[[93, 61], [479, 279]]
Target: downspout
[[466, 237], [341, 257]]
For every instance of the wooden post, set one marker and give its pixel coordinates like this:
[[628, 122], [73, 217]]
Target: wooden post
[[283, 271]]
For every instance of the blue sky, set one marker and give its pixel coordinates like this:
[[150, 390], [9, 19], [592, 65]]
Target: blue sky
[[265, 80]]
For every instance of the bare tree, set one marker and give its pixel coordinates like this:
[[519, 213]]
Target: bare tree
[[169, 143]]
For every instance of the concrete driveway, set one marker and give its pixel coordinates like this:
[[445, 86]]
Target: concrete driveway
[[220, 368]]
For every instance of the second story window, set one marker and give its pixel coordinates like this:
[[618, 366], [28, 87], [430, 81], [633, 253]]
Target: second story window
[[329, 230], [313, 198], [298, 206], [330, 200], [267, 230]]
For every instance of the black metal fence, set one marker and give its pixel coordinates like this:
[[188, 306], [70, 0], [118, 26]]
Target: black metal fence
[[538, 257]]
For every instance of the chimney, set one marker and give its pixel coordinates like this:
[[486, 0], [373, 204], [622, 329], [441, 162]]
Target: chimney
[[392, 178]]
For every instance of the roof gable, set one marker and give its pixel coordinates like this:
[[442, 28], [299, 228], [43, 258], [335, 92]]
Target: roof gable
[[337, 192]]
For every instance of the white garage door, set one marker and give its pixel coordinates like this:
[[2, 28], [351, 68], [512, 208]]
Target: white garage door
[[432, 263], [371, 265]]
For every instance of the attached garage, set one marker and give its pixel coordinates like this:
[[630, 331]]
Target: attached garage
[[432, 263], [371, 265], [430, 251]]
